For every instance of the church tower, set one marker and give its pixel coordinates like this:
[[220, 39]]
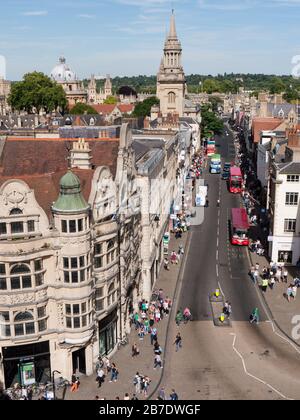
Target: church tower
[[171, 83], [92, 90], [108, 87]]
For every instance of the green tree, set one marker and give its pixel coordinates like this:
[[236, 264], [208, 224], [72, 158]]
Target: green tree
[[35, 92], [210, 122], [111, 100], [143, 109], [211, 86], [277, 85], [81, 109]]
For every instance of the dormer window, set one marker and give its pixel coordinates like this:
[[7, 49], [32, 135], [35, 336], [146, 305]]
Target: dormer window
[[15, 211]]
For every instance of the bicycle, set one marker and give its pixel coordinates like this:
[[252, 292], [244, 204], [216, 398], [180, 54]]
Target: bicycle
[[122, 342]]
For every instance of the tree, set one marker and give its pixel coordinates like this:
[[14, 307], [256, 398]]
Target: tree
[[111, 100], [277, 85], [143, 109], [211, 86], [210, 122], [81, 109], [35, 92]]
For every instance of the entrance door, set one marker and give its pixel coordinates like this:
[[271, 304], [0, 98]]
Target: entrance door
[[78, 358]]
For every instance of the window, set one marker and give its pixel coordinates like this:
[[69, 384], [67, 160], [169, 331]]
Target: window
[[3, 230], [23, 279], [17, 227], [99, 299], [98, 255], [171, 98], [30, 226], [4, 324], [291, 199], [24, 324], [38, 265], [2, 268], [111, 251], [293, 178], [64, 228], [80, 225], [15, 211], [80, 312], [72, 226], [3, 285], [285, 256], [41, 312], [111, 295], [290, 225], [71, 266]]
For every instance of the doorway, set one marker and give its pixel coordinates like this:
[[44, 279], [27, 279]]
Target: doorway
[[78, 358]]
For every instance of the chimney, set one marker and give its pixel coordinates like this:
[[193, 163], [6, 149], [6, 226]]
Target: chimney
[[147, 123], [293, 147], [81, 155]]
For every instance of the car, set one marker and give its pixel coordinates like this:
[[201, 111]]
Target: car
[[227, 167], [225, 176]]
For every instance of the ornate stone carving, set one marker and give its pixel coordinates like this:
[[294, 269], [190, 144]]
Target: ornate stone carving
[[14, 197], [22, 298]]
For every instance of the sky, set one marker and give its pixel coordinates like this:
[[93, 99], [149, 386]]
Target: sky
[[126, 37]]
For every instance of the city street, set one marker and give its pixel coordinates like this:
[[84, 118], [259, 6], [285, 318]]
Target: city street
[[215, 362]]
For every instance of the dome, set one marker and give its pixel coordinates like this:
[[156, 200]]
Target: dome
[[62, 72], [70, 198], [69, 180]]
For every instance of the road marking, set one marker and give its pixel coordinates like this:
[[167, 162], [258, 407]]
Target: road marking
[[221, 289], [217, 270], [217, 255], [218, 241], [253, 376]]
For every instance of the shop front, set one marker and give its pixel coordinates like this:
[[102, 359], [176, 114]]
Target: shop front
[[26, 364], [108, 333]]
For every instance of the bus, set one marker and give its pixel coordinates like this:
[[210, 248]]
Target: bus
[[239, 227], [215, 164], [211, 147], [235, 180]]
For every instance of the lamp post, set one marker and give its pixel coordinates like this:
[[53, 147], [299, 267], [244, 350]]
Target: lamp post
[[53, 384]]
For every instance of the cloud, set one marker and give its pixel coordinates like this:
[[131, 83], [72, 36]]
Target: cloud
[[86, 16], [36, 13]]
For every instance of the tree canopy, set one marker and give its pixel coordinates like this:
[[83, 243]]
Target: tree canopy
[[210, 122], [81, 109], [35, 92], [111, 100], [143, 109]]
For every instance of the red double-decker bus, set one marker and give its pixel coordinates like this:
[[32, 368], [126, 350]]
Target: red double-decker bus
[[239, 227], [235, 180]]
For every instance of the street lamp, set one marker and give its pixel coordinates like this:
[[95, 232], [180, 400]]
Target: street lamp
[[55, 371]]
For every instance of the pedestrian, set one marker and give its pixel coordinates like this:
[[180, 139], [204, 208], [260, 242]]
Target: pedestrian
[[134, 397], [126, 397], [179, 317], [181, 250], [257, 266], [162, 394], [178, 341], [174, 395], [146, 383], [294, 291], [174, 259], [135, 351], [264, 285], [100, 377], [157, 361], [254, 317], [285, 275], [137, 383], [96, 397], [153, 335], [157, 349], [272, 282], [255, 276], [114, 373], [166, 264]]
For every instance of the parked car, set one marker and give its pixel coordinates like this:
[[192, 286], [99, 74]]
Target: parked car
[[225, 175]]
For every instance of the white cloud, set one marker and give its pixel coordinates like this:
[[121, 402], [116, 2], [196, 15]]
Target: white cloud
[[86, 16], [36, 13]]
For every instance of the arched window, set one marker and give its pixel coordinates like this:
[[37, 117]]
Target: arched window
[[24, 324], [15, 211], [111, 295], [24, 316], [20, 269], [171, 98]]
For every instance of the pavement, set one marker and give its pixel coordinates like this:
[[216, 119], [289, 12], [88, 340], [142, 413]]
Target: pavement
[[126, 364]]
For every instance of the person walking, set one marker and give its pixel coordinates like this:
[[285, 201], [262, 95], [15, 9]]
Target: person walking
[[179, 317], [135, 350], [162, 394], [100, 377], [146, 383], [254, 317], [114, 373], [157, 361], [255, 276], [137, 383], [264, 285], [178, 341], [285, 275], [173, 395], [153, 335]]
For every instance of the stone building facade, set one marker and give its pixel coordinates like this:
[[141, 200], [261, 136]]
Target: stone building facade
[[5, 86], [95, 97]]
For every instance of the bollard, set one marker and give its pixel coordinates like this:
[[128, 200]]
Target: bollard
[[222, 317]]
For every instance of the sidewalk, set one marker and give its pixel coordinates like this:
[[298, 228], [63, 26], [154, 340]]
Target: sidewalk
[[126, 364], [280, 309]]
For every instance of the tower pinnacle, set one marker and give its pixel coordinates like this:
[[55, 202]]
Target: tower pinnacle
[[173, 33]]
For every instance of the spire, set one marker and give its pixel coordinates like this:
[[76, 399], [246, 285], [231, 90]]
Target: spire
[[173, 33]]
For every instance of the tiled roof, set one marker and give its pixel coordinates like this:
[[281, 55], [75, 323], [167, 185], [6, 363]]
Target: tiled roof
[[125, 108], [105, 109], [42, 162], [260, 124]]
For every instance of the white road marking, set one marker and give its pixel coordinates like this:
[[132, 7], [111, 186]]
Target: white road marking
[[217, 255], [217, 270], [221, 289], [253, 376]]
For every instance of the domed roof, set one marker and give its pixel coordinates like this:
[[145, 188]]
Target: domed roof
[[62, 72], [70, 180], [70, 198]]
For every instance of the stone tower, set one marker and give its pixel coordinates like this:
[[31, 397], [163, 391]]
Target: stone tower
[[92, 90], [171, 83], [108, 86]]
